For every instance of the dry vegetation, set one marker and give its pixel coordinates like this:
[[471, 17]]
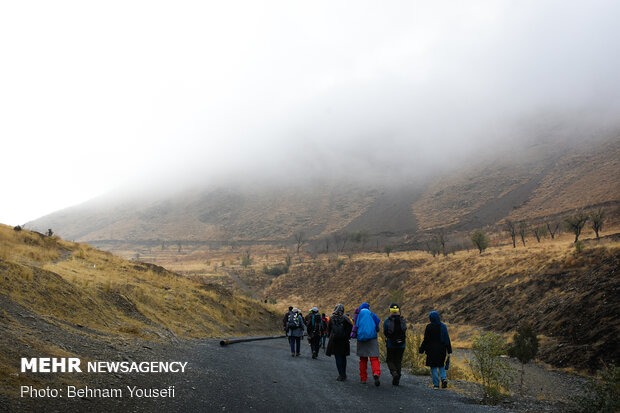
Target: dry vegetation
[[76, 287], [548, 283]]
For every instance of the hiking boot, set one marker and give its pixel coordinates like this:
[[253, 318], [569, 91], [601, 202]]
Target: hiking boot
[[363, 381], [444, 384], [377, 383], [292, 354], [395, 380], [340, 378], [314, 355], [435, 387]]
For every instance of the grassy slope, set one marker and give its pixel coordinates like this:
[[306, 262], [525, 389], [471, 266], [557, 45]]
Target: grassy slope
[[572, 299], [74, 287]]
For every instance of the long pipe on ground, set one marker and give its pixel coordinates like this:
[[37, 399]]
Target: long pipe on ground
[[228, 341]]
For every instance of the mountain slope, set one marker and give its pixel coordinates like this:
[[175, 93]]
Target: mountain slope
[[540, 180]]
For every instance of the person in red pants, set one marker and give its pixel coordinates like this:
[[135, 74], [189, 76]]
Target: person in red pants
[[367, 324]]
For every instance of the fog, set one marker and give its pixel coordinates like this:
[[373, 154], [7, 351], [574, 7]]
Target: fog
[[154, 95]]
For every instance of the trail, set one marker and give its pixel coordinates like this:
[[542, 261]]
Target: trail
[[262, 377]]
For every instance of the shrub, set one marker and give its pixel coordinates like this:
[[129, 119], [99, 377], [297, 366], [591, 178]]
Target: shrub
[[488, 367], [480, 240], [579, 246], [413, 361], [524, 347], [602, 394], [276, 270], [388, 250]]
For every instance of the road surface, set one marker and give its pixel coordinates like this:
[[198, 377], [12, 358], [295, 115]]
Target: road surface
[[261, 376]]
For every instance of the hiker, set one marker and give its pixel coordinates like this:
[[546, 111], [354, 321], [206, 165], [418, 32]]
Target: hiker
[[314, 323], [325, 324], [339, 328], [367, 324], [294, 331], [353, 321], [395, 330], [286, 316], [436, 343]]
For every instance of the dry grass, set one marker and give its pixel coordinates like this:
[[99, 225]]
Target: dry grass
[[82, 285]]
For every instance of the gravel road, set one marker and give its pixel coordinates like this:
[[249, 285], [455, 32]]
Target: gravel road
[[262, 377]]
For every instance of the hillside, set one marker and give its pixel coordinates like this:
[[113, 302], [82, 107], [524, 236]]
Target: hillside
[[60, 298], [572, 299], [540, 180]]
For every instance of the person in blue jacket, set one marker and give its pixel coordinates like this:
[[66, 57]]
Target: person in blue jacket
[[395, 331], [367, 324]]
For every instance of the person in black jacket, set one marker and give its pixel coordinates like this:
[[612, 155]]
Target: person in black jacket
[[315, 328], [339, 331], [436, 344]]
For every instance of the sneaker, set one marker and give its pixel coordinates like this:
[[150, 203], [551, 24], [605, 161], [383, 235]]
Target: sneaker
[[435, 387], [292, 354], [377, 383], [297, 354], [444, 384], [314, 355]]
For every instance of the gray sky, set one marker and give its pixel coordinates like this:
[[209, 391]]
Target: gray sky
[[97, 95]]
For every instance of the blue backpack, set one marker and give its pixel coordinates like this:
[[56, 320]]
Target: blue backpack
[[366, 327]]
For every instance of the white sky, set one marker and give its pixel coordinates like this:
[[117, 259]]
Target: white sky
[[97, 95]]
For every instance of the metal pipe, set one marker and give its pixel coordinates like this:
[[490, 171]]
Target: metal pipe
[[228, 341]]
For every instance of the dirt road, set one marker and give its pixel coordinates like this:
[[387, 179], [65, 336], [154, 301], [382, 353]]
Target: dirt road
[[260, 377]]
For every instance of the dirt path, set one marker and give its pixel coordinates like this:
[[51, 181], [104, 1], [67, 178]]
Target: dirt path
[[262, 377]]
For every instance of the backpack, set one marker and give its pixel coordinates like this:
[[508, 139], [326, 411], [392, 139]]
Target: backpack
[[338, 328], [366, 327], [293, 321], [316, 323], [397, 331]]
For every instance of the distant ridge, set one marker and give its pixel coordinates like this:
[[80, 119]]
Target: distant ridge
[[542, 180]]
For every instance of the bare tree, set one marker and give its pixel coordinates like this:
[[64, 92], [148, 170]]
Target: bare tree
[[340, 239], [512, 230], [441, 240], [299, 240], [539, 232], [597, 221], [364, 237], [576, 222], [553, 228], [522, 230], [337, 237]]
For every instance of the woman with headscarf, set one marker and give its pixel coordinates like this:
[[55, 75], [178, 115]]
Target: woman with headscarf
[[338, 329], [367, 324], [436, 344]]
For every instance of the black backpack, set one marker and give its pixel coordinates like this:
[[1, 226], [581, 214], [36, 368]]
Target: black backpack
[[397, 331], [315, 323], [294, 321], [338, 328]]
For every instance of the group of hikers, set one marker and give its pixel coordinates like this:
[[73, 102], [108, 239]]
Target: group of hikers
[[364, 327]]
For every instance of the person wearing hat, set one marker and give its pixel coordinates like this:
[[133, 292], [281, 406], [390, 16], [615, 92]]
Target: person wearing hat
[[294, 331], [395, 331]]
